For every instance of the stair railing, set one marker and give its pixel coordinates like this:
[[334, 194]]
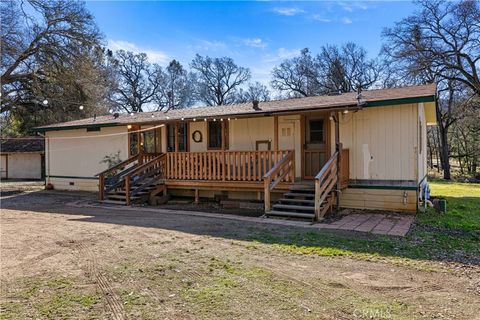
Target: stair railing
[[325, 182], [283, 170], [143, 176], [112, 178]]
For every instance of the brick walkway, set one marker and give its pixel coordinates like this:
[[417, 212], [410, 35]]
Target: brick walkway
[[389, 224]]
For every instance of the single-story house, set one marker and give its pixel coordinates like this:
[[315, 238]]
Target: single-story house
[[299, 156], [22, 158]]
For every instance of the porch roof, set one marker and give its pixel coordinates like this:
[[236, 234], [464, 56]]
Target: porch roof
[[370, 98]]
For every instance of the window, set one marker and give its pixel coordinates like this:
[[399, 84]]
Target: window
[[316, 131], [133, 143], [182, 137], [170, 137], [214, 135], [149, 141]]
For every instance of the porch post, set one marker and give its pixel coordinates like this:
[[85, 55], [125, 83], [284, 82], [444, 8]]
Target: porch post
[[275, 133]]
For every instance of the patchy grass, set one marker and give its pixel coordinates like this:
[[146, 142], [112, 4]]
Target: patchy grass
[[453, 236], [48, 298]]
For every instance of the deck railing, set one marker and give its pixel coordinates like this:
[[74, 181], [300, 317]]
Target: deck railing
[[222, 165], [325, 182], [283, 170]]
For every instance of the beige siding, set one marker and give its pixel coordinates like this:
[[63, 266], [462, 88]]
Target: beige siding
[[379, 199], [78, 154], [22, 166], [243, 133], [3, 165], [422, 142], [202, 127], [382, 142]]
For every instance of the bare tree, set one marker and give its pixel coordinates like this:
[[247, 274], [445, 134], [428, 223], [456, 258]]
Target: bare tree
[[218, 79], [345, 69], [175, 87], [297, 76], [443, 37], [136, 81], [254, 91], [52, 35], [334, 69]]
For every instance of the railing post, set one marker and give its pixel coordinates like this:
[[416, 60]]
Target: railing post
[[339, 172], [317, 199], [101, 186], [127, 190], [266, 196]]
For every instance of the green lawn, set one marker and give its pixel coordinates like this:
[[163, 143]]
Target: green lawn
[[463, 206], [453, 236]]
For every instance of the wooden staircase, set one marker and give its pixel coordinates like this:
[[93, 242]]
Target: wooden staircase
[[136, 179], [310, 200]]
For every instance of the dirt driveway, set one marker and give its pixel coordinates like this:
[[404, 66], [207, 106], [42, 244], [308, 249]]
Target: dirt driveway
[[59, 261]]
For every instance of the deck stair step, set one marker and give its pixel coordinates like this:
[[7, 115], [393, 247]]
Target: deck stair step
[[299, 194], [291, 214], [287, 207], [299, 201]]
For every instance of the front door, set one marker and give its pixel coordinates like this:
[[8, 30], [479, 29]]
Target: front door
[[315, 148]]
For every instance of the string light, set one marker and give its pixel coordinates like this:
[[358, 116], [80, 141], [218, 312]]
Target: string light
[[194, 119], [81, 107], [45, 102]]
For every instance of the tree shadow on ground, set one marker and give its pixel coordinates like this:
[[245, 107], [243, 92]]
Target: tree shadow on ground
[[422, 242]]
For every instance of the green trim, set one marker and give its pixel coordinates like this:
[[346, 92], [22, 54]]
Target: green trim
[[382, 103], [84, 126], [362, 186], [73, 177]]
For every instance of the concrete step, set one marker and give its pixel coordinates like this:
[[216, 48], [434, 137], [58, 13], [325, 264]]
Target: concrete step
[[120, 197], [290, 214], [113, 202], [287, 207]]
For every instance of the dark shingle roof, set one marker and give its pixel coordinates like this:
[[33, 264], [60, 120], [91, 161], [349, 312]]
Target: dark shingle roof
[[370, 97], [25, 144]]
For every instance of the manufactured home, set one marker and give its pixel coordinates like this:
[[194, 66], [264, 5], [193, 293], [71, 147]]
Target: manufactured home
[[300, 157]]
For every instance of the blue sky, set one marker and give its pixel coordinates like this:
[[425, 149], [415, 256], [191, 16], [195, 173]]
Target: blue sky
[[258, 35]]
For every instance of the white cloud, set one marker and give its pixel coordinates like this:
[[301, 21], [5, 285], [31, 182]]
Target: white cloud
[[154, 56], [207, 45], [346, 20], [281, 54], [352, 5], [320, 18], [255, 43], [285, 11]]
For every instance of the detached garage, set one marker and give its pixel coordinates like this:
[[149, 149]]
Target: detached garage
[[22, 158]]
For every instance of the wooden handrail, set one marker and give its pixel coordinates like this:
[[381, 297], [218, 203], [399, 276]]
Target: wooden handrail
[[286, 166], [327, 166], [144, 166], [325, 181], [121, 164]]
